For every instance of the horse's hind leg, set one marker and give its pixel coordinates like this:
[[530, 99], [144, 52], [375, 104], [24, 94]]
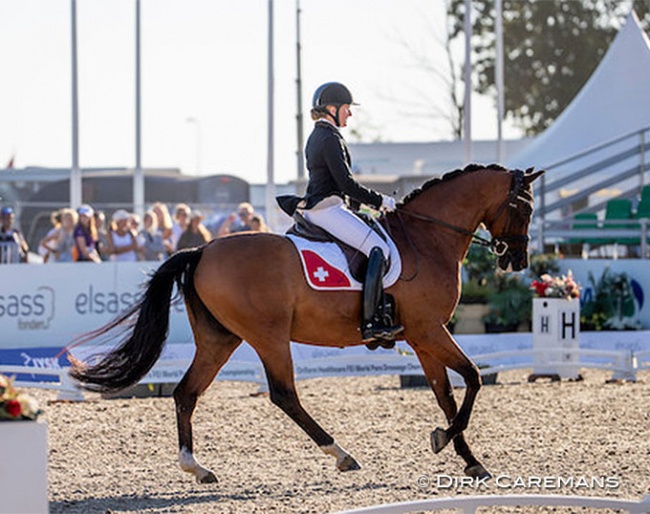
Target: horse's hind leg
[[279, 372], [214, 346]]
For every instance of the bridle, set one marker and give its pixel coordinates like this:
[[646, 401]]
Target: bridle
[[498, 245]]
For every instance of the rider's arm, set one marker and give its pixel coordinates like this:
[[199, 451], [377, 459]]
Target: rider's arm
[[334, 155]]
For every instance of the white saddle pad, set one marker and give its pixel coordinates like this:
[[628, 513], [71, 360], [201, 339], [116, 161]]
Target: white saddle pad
[[326, 268]]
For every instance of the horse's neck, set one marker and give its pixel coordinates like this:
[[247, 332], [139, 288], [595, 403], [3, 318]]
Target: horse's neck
[[462, 202]]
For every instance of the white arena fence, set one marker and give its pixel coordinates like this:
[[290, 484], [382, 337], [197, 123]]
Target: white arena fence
[[642, 360], [356, 361], [469, 504], [43, 308]]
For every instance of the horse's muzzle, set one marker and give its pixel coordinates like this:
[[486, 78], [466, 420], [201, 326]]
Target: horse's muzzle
[[513, 260]]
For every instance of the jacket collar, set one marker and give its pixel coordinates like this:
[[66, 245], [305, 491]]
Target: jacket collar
[[324, 123]]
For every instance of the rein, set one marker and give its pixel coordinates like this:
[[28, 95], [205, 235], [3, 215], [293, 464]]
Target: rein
[[497, 245], [475, 238]]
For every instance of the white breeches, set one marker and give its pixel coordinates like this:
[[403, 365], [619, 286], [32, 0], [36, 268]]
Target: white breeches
[[332, 215]]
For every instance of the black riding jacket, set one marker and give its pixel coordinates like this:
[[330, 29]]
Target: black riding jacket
[[328, 162]]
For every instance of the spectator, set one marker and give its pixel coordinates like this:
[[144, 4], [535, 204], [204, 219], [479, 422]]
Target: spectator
[[85, 236], [122, 242], [196, 234], [151, 246], [240, 222], [181, 220], [257, 224], [65, 243], [13, 247], [164, 221], [102, 234], [134, 222], [45, 248]]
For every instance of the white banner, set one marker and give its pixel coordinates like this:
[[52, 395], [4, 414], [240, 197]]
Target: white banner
[[44, 307]]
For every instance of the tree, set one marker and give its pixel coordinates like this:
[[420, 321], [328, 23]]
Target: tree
[[436, 62], [551, 48]]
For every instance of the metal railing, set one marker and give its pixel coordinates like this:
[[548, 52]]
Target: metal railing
[[635, 143], [639, 145], [608, 233]]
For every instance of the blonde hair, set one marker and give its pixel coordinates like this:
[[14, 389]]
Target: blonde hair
[[166, 222], [318, 113], [181, 207], [246, 205], [154, 221], [69, 212]]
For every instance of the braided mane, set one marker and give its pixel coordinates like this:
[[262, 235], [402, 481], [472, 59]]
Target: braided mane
[[446, 177]]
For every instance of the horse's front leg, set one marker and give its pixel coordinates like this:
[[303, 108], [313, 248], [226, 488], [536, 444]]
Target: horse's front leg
[[439, 380], [279, 372], [436, 351]]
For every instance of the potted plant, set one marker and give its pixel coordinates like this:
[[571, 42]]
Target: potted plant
[[611, 304], [24, 454], [542, 264], [478, 269], [509, 304]]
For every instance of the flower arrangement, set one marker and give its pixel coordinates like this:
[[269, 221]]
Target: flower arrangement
[[556, 287], [15, 406]]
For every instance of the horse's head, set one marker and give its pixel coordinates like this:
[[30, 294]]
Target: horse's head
[[510, 222]]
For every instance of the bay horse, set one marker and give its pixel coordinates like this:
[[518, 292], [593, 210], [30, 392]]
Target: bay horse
[[250, 286]]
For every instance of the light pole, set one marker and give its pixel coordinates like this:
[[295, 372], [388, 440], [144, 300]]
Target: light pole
[[75, 171], [197, 137], [138, 172]]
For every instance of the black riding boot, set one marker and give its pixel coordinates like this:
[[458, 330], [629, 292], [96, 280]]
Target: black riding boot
[[376, 324]]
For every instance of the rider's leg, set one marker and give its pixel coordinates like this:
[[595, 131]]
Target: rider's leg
[[332, 215], [376, 324]]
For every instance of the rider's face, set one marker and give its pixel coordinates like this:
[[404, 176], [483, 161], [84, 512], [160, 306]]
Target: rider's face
[[344, 114]]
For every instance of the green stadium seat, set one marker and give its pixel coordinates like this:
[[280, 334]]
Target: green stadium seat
[[645, 193], [620, 209], [587, 220]]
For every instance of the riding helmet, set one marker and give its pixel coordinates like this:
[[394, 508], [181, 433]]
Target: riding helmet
[[332, 93]]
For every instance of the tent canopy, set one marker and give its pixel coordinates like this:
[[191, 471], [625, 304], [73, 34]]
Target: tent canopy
[[613, 102]]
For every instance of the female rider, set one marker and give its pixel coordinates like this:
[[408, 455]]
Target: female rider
[[332, 196]]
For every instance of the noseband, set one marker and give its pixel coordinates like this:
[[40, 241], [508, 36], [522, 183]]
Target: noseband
[[498, 245]]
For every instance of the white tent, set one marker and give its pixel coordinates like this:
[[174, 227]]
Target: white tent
[[615, 101]]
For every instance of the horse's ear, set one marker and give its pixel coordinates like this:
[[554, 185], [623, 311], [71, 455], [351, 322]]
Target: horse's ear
[[531, 176]]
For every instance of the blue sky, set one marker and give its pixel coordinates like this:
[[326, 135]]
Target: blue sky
[[207, 60]]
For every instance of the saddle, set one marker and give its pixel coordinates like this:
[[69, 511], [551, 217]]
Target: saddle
[[357, 260], [325, 257]]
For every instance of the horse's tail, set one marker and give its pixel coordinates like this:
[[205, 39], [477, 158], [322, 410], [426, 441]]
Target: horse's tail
[[144, 327]]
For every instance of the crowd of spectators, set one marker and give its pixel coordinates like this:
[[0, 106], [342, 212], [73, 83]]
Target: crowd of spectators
[[86, 234]]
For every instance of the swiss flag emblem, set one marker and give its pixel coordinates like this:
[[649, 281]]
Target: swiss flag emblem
[[322, 274]]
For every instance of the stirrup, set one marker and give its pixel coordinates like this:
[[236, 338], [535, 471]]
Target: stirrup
[[381, 334]]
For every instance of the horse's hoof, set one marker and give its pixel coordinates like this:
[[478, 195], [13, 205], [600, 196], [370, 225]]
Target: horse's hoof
[[439, 439], [477, 471], [209, 478], [348, 464]]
